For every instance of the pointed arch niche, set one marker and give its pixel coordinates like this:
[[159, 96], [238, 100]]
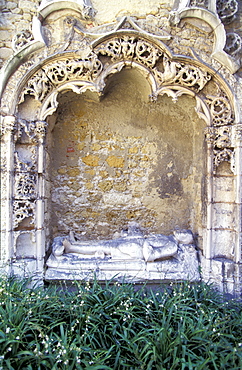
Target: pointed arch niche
[[123, 158], [124, 131]]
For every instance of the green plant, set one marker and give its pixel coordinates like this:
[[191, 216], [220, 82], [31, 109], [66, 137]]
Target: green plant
[[179, 326]]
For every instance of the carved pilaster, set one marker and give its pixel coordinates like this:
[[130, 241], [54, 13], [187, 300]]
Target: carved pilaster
[[40, 130], [220, 140], [31, 132], [28, 163], [7, 125]]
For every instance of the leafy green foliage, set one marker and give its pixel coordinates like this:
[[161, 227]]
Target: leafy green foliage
[[116, 326]]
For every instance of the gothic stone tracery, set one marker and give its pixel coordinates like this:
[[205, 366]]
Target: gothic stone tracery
[[111, 56]]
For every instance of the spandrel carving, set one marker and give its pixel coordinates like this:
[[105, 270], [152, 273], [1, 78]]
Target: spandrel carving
[[182, 74], [60, 72], [220, 109], [38, 86], [128, 47]]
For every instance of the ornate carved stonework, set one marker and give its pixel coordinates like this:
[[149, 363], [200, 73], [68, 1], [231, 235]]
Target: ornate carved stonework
[[233, 43], [221, 140], [34, 130], [23, 209], [7, 125], [40, 130], [169, 77], [181, 74], [25, 185], [95, 69], [223, 150], [59, 72], [220, 109], [21, 39], [227, 10], [129, 47], [200, 3]]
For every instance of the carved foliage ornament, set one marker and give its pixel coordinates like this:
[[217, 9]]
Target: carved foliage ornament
[[25, 185], [56, 73], [23, 209], [127, 47], [182, 74], [220, 139], [25, 180], [22, 39], [220, 109], [35, 131], [124, 48]]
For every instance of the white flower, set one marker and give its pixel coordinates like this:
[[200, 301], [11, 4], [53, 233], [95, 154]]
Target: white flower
[[7, 330]]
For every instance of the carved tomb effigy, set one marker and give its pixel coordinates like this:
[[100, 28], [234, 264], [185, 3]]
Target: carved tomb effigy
[[132, 257]]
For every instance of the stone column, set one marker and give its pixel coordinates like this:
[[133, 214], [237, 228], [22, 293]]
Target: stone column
[[209, 135], [7, 167], [40, 234], [237, 142]]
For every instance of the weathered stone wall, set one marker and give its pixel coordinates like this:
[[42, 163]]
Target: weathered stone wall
[[124, 159], [16, 16]]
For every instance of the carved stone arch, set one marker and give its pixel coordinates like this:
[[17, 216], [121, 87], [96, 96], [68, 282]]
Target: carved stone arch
[[168, 74], [84, 70]]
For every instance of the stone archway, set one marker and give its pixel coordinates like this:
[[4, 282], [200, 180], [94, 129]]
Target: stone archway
[[89, 70]]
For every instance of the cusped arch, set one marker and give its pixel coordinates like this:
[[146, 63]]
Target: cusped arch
[[89, 69]]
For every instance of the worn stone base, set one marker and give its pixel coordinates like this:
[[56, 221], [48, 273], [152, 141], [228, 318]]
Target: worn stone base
[[225, 274]]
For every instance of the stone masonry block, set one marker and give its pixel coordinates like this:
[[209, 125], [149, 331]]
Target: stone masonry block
[[224, 243], [224, 189], [224, 215]]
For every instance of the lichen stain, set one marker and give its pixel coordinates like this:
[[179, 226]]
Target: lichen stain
[[167, 186]]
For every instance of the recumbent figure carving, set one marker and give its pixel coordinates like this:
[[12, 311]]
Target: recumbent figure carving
[[132, 245]]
